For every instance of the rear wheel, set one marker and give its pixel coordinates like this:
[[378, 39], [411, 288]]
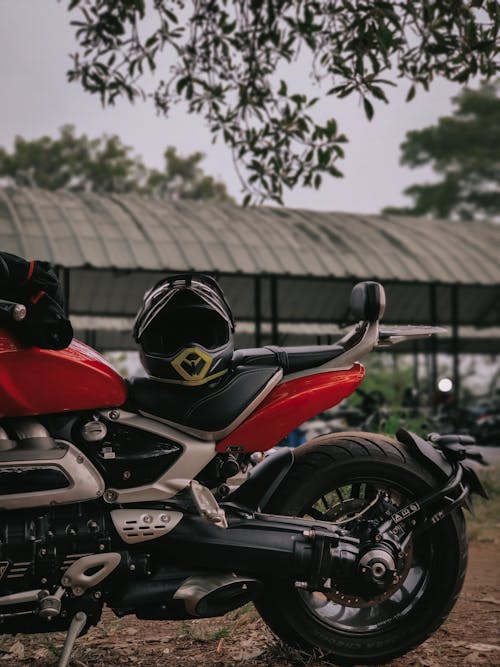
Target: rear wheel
[[335, 478]]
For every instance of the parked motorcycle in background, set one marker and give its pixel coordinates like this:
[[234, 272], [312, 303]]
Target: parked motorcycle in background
[[115, 493], [481, 418]]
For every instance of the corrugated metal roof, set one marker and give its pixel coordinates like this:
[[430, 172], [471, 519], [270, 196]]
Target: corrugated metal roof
[[131, 232]]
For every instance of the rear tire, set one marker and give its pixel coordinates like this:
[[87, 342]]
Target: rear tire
[[394, 626]]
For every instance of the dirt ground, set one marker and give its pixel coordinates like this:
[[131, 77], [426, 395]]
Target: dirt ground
[[470, 637]]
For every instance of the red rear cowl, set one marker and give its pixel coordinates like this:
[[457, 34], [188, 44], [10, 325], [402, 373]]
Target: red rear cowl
[[290, 404]]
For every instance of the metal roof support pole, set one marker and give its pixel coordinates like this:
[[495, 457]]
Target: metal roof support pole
[[416, 379], [427, 363], [63, 278], [274, 311], [90, 338], [257, 304], [66, 285], [433, 348], [455, 346]]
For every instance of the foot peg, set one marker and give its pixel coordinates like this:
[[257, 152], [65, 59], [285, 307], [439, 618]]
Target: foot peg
[[77, 625], [206, 505]]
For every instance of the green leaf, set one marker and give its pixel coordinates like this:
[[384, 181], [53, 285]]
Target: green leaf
[[411, 93], [331, 128], [378, 93], [386, 37], [171, 15], [336, 173], [368, 108], [182, 83]]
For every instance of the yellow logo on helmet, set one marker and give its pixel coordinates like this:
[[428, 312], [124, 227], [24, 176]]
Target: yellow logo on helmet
[[192, 364]]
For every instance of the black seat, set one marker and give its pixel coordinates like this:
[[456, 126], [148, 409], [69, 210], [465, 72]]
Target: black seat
[[290, 359], [207, 409]]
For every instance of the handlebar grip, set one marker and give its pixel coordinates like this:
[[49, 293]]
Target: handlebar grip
[[11, 311]]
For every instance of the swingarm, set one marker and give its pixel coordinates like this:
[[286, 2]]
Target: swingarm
[[265, 546]]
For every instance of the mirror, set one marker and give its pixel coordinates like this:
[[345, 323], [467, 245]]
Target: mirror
[[368, 301]]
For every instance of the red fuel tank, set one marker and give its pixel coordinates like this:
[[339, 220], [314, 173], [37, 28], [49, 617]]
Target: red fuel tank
[[35, 381]]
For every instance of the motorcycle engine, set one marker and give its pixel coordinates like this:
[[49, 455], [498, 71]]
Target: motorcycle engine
[[37, 547], [49, 516], [54, 524]]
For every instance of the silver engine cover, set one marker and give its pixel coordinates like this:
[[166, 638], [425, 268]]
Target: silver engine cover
[[34, 455]]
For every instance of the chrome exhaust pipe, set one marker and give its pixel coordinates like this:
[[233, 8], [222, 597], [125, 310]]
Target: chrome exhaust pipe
[[216, 594]]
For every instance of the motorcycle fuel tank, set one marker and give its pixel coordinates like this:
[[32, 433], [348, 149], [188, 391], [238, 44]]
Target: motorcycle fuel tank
[[35, 381]]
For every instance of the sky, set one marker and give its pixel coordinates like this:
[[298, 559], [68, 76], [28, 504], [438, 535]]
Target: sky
[[36, 99]]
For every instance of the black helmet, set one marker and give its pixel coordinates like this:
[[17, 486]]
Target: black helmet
[[185, 330]]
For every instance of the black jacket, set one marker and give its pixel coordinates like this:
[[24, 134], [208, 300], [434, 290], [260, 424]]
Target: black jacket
[[35, 284]]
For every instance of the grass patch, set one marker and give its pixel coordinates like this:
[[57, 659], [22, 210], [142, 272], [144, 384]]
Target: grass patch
[[222, 627], [206, 631], [484, 524], [280, 654]]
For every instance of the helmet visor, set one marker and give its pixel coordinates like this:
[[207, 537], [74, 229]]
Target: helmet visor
[[175, 327]]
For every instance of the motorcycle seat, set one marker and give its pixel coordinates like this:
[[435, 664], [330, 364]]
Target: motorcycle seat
[[208, 412], [290, 359]]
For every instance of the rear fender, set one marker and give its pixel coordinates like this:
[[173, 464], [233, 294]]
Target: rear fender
[[437, 460], [430, 456], [257, 491]]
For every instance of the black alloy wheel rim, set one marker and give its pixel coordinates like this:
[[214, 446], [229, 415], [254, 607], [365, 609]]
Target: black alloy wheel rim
[[377, 617]]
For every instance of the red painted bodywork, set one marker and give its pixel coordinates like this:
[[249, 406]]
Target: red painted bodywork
[[289, 405], [35, 381]]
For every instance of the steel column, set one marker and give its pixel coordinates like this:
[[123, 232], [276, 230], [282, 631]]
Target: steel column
[[257, 304], [433, 348], [416, 379], [274, 311], [455, 345], [66, 287]]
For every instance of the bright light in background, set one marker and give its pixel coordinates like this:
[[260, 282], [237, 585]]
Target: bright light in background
[[445, 385]]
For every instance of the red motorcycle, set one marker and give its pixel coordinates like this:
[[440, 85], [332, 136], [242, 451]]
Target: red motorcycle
[[120, 493]]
